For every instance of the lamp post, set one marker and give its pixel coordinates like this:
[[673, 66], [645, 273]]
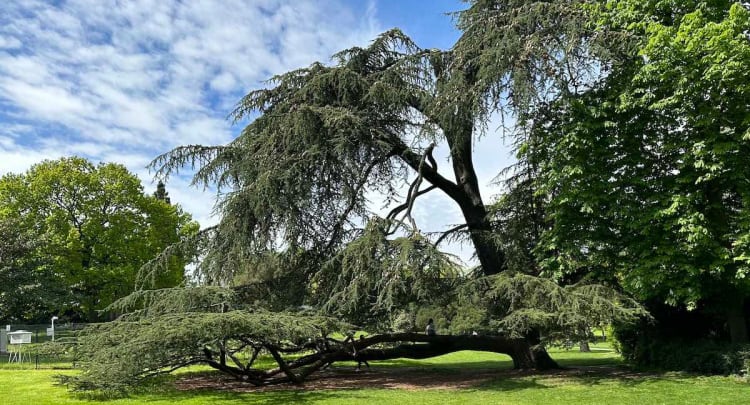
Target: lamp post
[[54, 318]]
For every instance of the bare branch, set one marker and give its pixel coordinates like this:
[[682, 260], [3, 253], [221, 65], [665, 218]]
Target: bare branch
[[283, 364], [414, 191], [400, 208]]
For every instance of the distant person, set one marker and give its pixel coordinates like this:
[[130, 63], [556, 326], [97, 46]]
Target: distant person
[[430, 329]]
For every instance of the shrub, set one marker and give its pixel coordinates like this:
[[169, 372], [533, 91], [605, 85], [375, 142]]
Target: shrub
[[644, 348]]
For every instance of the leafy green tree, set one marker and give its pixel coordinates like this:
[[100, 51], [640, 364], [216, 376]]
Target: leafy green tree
[[647, 172], [30, 290], [94, 228]]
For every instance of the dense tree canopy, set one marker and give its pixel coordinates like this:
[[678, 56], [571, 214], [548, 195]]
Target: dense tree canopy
[[85, 230], [29, 287], [647, 173]]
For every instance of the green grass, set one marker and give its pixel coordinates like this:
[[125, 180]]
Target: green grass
[[24, 387], [32, 362]]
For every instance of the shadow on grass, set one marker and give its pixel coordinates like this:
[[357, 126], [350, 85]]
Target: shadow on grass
[[162, 389], [589, 375], [588, 362], [269, 397], [489, 372], [500, 364]]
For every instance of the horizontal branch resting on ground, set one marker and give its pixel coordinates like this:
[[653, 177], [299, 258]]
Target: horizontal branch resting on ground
[[379, 347]]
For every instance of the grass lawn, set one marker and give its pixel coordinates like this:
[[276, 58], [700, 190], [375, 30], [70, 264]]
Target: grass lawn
[[598, 379]]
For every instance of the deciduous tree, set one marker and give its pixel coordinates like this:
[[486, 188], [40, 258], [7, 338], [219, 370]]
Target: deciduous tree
[[93, 227]]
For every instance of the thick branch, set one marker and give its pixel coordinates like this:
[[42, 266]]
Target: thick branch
[[413, 159], [283, 365], [407, 345]]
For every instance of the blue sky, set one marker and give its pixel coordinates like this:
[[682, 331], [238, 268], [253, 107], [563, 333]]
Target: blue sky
[[124, 81]]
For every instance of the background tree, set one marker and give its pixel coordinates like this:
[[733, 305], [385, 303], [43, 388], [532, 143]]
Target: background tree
[[29, 287], [161, 193], [646, 173], [93, 227]]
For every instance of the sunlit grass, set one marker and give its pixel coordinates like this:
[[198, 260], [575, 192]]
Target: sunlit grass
[[24, 387]]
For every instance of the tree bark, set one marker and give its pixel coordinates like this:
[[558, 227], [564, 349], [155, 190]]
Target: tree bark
[[737, 322], [460, 136]]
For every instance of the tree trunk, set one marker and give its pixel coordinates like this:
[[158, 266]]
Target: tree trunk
[[459, 132], [584, 344], [737, 322], [491, 258]]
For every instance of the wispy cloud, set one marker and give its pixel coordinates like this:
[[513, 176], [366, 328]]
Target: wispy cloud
[[125, 81]]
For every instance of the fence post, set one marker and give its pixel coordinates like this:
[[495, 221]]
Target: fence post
[[3, 341]]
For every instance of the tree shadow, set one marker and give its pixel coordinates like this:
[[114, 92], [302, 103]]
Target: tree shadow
[[289, 396], [616, 375], [588, 362], [428, 365]]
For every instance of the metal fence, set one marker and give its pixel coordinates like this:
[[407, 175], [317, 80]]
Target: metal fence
[[29, 346]]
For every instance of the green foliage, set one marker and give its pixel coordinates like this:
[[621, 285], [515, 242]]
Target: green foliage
[[117, 355], [403, 321], [93, 228], [519, 214], [142, 304], [516, 305], [163, 330], [706, 357], [374, 276], [29, 287], [521, 54], [646, 172], [298, 172]]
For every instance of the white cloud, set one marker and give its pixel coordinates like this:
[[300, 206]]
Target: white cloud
[[125, 81], [224, 82], [9, 43]]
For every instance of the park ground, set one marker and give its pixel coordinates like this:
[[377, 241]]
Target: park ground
[[598, 377]]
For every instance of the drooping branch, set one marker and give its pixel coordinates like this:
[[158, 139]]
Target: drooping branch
[[344, 217], [411, 197], [395, 211], [450, 232]]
